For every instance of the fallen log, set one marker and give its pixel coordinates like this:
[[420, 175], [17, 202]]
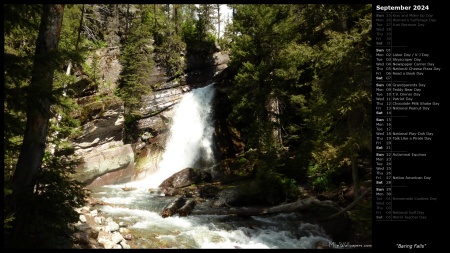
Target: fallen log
[[173, 207], [353, 204], [187, 208], [300, 205]]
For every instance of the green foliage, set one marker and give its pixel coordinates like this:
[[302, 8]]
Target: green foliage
[[71, 24], [165, 36], [199, 41], [21, 24], [168, 53], [131, 132], [319, 71], [259, 80], [283, 189], [93, 69], [205, 15], [95, 44], [224, 43], [98, 24], [136, 59], [8, 216], [321, 183], [293, 165], [340, 104], [47, 213], [271, 186], [240, 166], [20, 31]]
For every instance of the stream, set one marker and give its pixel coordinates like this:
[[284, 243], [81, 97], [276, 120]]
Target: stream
[[190, 144], [140, 211]]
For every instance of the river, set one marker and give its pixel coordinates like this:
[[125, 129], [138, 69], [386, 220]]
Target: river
[[141, 210], [190, 144]]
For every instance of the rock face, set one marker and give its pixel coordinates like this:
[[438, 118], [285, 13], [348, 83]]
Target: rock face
[[109, 166], [106, 159]]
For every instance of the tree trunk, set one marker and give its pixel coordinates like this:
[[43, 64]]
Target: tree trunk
[[154, 14], [80, 27], [175, 17], [38, 102], [218, 21], [187, 208], [353, 132], [355, 173], [173, 207], [273, 109]]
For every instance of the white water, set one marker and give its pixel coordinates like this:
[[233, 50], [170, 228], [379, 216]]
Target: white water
[[151, 231], [190, 140]]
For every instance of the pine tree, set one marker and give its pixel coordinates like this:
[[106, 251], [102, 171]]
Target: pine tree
[[43, 195], [303, 80]]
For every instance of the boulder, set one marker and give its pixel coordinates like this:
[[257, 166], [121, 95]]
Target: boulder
[[185, 178]]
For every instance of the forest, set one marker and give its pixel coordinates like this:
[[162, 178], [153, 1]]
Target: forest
[[299, 94]]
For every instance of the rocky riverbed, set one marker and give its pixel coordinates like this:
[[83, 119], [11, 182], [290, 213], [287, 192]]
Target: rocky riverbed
[[95, 230]]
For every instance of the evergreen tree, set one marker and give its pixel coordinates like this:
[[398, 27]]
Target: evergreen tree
[[137, 61], [260, 32], [21, 23], [303, 81], [343, 85], [42, 195], [198, 34], [169, 45], [38, 104]]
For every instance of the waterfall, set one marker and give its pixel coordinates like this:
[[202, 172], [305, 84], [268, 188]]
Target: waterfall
[[189, 143]]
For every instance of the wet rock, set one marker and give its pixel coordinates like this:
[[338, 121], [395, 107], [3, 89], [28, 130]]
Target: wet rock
[[185, 178]]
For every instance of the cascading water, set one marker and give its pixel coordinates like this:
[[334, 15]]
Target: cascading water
[[190, 140], [189, 145]]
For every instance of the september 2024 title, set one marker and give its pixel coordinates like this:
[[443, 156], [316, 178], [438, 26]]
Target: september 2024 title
[[402, 7]]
